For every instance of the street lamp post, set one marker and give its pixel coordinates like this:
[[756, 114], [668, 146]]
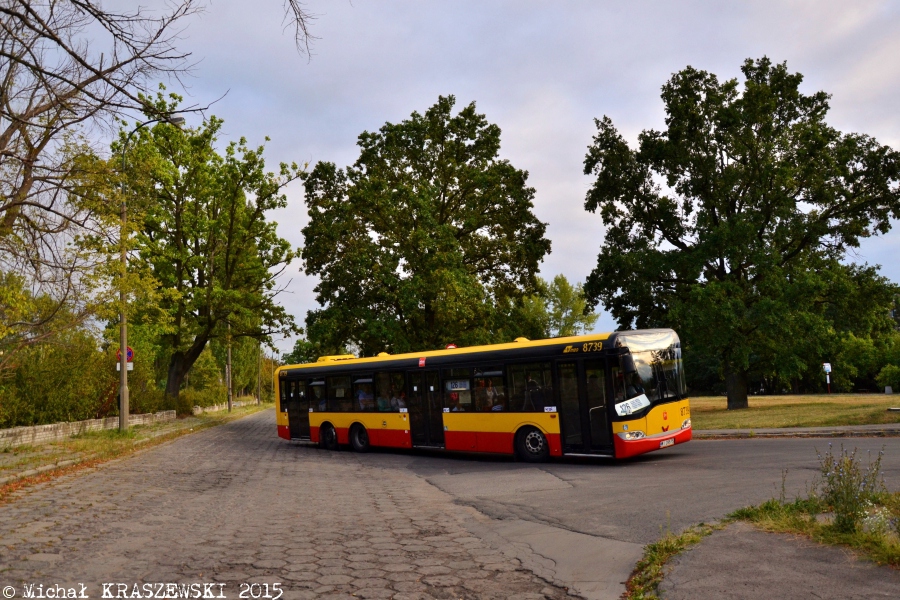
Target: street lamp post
[[123, 323]]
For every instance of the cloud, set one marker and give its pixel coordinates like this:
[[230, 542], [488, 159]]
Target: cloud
[[542, 71]]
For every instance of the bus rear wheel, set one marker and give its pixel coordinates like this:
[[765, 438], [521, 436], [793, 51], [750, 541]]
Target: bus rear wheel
[[359, 438], [531, 445], [328, 437]]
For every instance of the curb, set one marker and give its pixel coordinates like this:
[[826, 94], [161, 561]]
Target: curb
[[735, 435], [37, 471]]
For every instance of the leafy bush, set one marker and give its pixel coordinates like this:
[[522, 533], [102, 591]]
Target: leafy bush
[[847, 487], [889, 376], [68, 378], [189, 398]]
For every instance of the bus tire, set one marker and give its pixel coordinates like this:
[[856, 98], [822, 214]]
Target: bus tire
[[359, 438], [328, 437], [531, 445]]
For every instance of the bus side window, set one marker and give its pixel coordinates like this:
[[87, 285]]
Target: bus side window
[[382, 392], [339, 397], [317, 401], [458, 390], [490, 391], [398, 392], [530, 387], [363, 396]]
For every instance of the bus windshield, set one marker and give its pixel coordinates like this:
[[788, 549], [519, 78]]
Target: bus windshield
[[658, 372]]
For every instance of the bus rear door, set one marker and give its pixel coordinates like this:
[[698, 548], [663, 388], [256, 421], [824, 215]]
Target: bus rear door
[[425, 415], [298, 409]]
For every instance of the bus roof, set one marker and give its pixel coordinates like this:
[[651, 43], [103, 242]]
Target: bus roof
[[348, 360]]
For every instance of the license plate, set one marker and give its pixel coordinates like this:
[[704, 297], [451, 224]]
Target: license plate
[[666, 443]]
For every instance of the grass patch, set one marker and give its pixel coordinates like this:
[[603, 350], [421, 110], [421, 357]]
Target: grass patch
[[92, 448], [711, 412], [648, 573], [110, 434], [848, 505]]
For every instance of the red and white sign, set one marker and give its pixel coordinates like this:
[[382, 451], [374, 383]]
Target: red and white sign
[[451, 346], [422, 362]]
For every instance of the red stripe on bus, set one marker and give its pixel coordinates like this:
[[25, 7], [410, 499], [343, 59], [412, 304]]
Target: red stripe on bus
[[554, 443], [499, 443], [284, 432], [314, 434], [390, 438], [460, 440], [343, 435], [492, 441], [626, 448]]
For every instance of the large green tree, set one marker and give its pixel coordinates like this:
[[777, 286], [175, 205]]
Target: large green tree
[[419, 241], [205, 237], [732, 222]]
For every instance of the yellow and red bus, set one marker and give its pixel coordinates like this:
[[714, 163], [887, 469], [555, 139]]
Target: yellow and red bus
[[616, 395]]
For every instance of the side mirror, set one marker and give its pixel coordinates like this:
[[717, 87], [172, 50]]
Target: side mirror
[[628, 364]]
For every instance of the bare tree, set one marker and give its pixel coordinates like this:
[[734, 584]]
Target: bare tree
[[66, 67]]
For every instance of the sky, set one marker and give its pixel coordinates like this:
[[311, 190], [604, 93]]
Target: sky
[[542, 71]]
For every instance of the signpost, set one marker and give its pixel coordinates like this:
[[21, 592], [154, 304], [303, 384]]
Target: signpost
[[827, 368], [129, 353]]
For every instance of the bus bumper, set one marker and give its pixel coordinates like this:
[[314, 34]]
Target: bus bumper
[[628, 448]]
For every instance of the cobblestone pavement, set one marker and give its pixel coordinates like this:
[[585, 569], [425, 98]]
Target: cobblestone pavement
[[235, 504]]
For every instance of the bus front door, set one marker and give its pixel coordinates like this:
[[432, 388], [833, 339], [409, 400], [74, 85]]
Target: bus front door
[[582, 407], [426, 421]]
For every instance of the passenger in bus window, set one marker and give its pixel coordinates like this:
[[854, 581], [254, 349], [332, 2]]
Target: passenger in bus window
[[365, 400], [490, 393], [499, 400], [383, 392], [318, 398], [454, 402], [535, 397], [398, 401]]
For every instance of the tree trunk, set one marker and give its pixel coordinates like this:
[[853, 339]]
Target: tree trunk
[[180, 364], [736, 385]]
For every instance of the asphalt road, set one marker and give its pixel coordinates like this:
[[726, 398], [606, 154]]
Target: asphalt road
[[630, 501]]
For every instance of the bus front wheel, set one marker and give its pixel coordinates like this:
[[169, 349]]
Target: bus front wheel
[[531, 445], [359, 438], [328, 437]]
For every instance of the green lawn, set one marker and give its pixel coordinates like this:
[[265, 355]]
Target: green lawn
[[710, 412]]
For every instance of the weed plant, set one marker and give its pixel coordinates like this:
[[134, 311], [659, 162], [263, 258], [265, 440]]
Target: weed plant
[[847, 505], [848, 487]]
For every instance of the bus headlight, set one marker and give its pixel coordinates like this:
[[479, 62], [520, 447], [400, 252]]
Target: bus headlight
[[686, 424], [631, 435]]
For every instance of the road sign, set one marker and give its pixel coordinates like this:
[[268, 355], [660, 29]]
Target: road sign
[[119, 367], [826, 367], [129, 352]]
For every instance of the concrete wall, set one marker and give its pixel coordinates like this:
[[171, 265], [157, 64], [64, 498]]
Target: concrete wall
[[57, 431]]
